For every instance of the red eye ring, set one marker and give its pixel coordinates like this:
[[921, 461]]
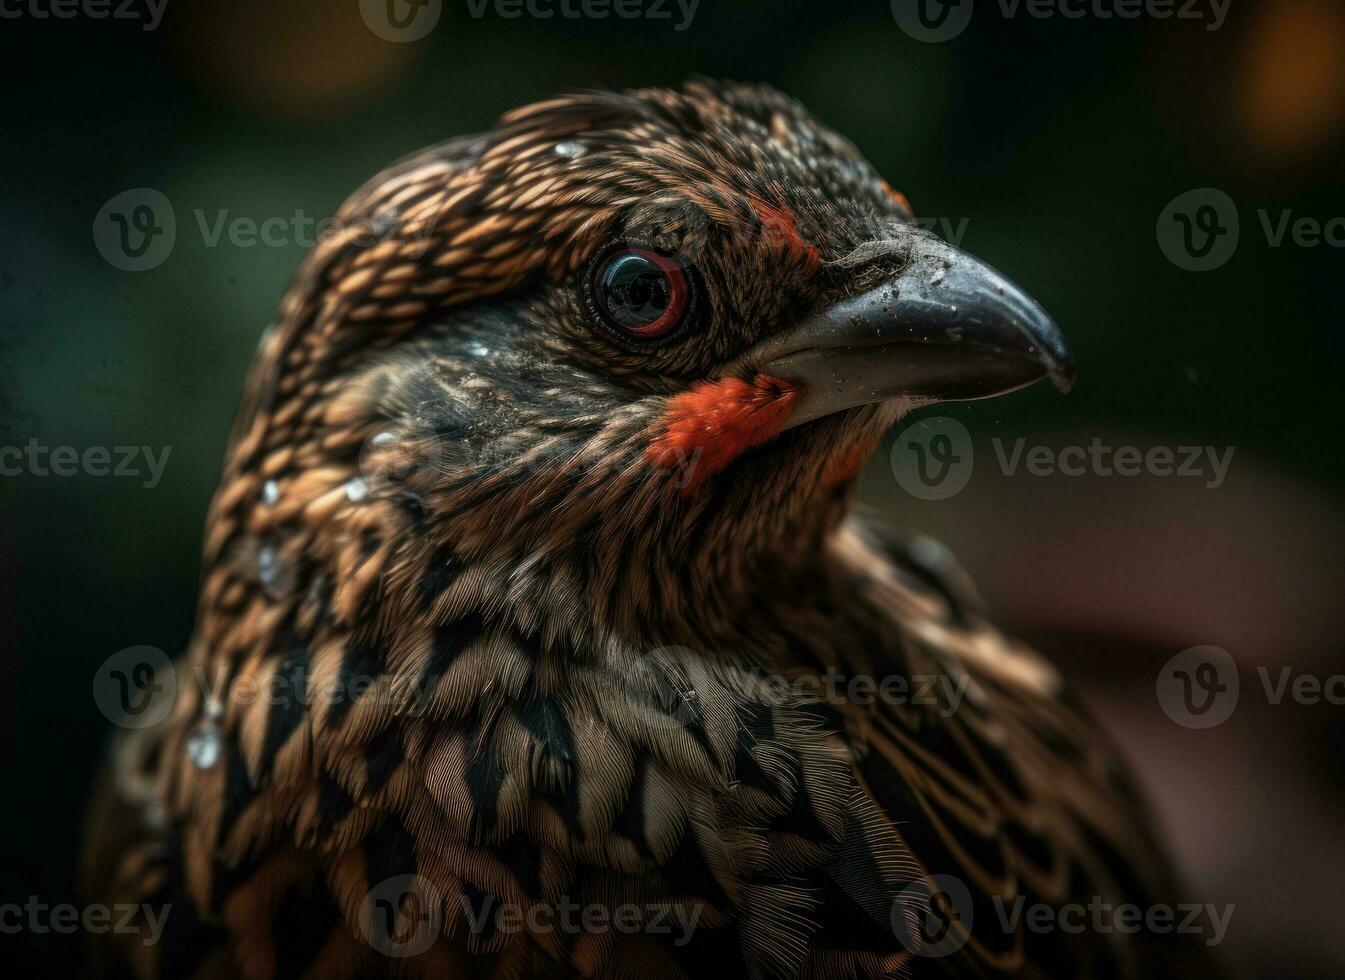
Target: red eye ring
[[639, 293]]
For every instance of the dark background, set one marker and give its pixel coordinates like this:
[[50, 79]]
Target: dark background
[[1060, 141]]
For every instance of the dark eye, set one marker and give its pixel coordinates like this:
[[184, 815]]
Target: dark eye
[[639, 292]]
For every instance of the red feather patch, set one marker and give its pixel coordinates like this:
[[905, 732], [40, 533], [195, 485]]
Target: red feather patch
[[898, 198], [706, 428], [849, 464], [779, 228]]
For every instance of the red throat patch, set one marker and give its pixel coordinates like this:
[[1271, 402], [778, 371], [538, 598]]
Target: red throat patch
[[706, 428]]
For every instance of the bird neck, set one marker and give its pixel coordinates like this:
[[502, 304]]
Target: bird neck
[[655, 557]]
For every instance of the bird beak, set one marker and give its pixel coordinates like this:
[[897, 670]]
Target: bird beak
[[948, 327]]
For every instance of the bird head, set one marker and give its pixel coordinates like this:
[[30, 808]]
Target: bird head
[[656, 330]]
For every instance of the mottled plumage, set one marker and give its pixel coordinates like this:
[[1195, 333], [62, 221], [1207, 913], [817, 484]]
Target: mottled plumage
[[496, 599]]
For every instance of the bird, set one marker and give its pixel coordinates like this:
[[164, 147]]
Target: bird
[[540, 632]]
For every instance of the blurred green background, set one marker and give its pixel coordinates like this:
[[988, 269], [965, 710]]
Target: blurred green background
[[1058, 141]]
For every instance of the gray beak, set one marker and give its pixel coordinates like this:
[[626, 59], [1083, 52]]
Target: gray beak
[[948, 327]]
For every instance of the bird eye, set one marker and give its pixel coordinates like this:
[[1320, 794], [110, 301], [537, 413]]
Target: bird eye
[[639, 292]]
